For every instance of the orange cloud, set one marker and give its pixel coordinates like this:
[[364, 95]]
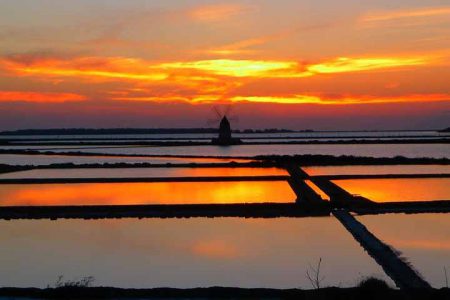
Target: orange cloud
[[402, 14], [308, 99], [207, 81], [85, 67], [346, 64], [120, 68], [238, 68], [293, 69], [7, 96], [291, 99], [218, 12]]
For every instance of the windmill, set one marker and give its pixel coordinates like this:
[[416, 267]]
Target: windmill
[[223, 118]]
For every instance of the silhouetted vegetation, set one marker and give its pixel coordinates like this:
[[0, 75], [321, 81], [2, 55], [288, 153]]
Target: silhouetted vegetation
[[253, 164], [363, 292], [84, 282], [125, 131], [446, 277], [344, 160], [109, 131], [314, 276], [247, 210], [171, 142], [374, 288], [373, 284], [8, 168], [303, 160]]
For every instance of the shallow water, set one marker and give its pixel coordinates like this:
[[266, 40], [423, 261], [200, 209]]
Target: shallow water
[[145, 193], [373, 170], [21, 160], [424, 239], [316, 134], [34, 143], [143, 172], [389, 190], [181, 253], [374, 150]]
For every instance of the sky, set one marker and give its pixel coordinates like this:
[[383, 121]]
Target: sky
[[296, 64]]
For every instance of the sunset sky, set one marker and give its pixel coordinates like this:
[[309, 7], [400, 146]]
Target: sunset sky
[[297, 64]]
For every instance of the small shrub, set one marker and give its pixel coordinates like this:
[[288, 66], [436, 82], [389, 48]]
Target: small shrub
[[314, 276], [80, 283], [373, 284]]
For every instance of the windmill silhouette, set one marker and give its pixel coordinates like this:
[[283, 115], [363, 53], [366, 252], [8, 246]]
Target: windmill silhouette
[[223, 118]]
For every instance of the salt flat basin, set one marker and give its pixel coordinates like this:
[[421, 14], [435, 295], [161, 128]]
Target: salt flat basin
[[370, 150], [318, 191], [23, 159], [423, 239], [388, 190], [183, 253], [373, 170], [142, 172], [146, 193], [315, 134], [36, 143]]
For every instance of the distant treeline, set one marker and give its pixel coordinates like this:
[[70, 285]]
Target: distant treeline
[[93, 131], [109, 131], [343, 160]]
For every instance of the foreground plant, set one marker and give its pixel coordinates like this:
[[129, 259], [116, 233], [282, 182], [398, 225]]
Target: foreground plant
[[83, 282]]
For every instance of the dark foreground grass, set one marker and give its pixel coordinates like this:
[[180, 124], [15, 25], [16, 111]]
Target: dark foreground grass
[[365, 291]]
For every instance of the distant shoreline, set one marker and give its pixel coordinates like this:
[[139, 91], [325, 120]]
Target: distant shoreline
[[131, 131], [110, 143], [126, 131]]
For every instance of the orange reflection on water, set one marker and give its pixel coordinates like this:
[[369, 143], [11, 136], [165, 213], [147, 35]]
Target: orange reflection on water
[[143, 172], [317, 190], [230, 172], [383, 169], [424, 239], [186, 253], [145, 193], [388, 190], [426, 232], [215, 249]]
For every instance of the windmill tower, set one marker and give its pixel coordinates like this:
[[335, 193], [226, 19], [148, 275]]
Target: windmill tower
[[225, 138], [224, 129]]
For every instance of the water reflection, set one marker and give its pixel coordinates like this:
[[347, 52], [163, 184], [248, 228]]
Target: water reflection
[[371, 150], [16, 159], [368, 170], [317, 190], [145, 193], [388, 190], [312, 134], [423, 239], [181, 253], [143, 172]]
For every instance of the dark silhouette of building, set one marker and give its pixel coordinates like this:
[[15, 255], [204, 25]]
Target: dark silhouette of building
[[225, 129], [225, 137]]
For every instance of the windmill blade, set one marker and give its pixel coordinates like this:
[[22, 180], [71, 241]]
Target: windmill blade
[[217, 111]]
